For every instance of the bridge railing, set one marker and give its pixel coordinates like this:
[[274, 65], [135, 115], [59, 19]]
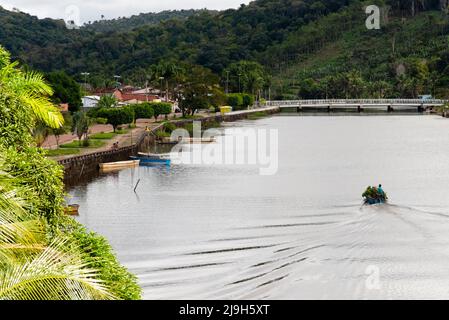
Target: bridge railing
[[357, 101]]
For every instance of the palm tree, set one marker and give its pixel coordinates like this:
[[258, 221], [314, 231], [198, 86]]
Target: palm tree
[[107, 101], [30, 89], [80, 125], [168, 71], [31, 268], [40, 133]]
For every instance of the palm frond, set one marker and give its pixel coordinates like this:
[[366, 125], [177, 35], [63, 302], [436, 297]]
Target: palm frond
[[31, 269], [44, 110], [52, 275], [31, 90]]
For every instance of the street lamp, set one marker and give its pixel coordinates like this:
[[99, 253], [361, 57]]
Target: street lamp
[[116, 78], [162, 84], [85, 74], [227, 82], [240, 88]]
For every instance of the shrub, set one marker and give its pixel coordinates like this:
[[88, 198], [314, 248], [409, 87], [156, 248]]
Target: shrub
[[100, 254], [248, 100], [169, 127], [235, 100]]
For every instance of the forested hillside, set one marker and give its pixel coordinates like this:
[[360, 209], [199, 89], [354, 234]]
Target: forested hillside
[[128, 23], [309, 48]]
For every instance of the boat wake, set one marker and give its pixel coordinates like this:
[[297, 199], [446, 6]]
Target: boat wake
[[347, 252]]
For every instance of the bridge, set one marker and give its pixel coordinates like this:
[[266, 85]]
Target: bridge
[[359, 105]]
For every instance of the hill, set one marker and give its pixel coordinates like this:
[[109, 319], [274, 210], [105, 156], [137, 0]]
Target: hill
[[310, 48], [128, 23]]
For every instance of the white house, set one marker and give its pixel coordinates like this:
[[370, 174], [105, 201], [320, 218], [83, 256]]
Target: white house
[[90, 101]]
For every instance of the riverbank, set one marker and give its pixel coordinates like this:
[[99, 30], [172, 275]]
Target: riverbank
[[80, 167]]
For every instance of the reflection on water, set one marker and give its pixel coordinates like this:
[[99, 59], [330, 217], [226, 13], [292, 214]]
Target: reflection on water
[[224, 232]]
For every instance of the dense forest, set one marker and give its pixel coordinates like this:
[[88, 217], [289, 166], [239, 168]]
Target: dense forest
[[307, 48], [143, 19]]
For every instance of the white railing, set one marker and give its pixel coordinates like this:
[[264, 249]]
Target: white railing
[[392, 102]]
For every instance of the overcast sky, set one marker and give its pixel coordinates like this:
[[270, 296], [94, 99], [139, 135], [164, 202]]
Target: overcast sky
[[90, 10]]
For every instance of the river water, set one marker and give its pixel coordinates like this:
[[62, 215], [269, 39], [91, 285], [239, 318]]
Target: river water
[[227, 232]]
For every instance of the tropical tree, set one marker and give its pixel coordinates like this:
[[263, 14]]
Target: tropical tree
[[39, 180], [107, 101], [31, 268], [168, 72], [198, 90], [246, 76], [66, 90], [40, 133], [30, 90], [80, 125], [161, 109], [117, 116]]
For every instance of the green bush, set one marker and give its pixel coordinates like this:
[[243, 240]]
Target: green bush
[[169, 127], [240, 101], [235, 100], [248, 100], [122, 283]]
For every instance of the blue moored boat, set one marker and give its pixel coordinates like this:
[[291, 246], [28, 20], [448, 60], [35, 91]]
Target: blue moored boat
[[152, 159]]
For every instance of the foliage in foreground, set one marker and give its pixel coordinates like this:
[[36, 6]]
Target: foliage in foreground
[[39, 180], [31, 267]]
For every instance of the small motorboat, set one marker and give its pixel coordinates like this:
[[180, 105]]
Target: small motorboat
[[155, 156], [146, 160], [374, 195], [373, 201]]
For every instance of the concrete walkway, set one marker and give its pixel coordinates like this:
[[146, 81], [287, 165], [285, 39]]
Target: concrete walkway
[[131, 136]]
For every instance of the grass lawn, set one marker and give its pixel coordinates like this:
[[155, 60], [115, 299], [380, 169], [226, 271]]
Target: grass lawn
[[62, 152], [122, 131], [92, 144], [103, 136]]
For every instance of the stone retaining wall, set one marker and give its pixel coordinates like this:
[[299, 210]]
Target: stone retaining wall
[[77, 168]]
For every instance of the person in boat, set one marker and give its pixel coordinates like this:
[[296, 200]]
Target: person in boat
[[381, 191]]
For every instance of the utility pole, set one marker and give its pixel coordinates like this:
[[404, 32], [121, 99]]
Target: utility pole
[[240, 88], [162, 84], [116, 81], [227, 82]]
